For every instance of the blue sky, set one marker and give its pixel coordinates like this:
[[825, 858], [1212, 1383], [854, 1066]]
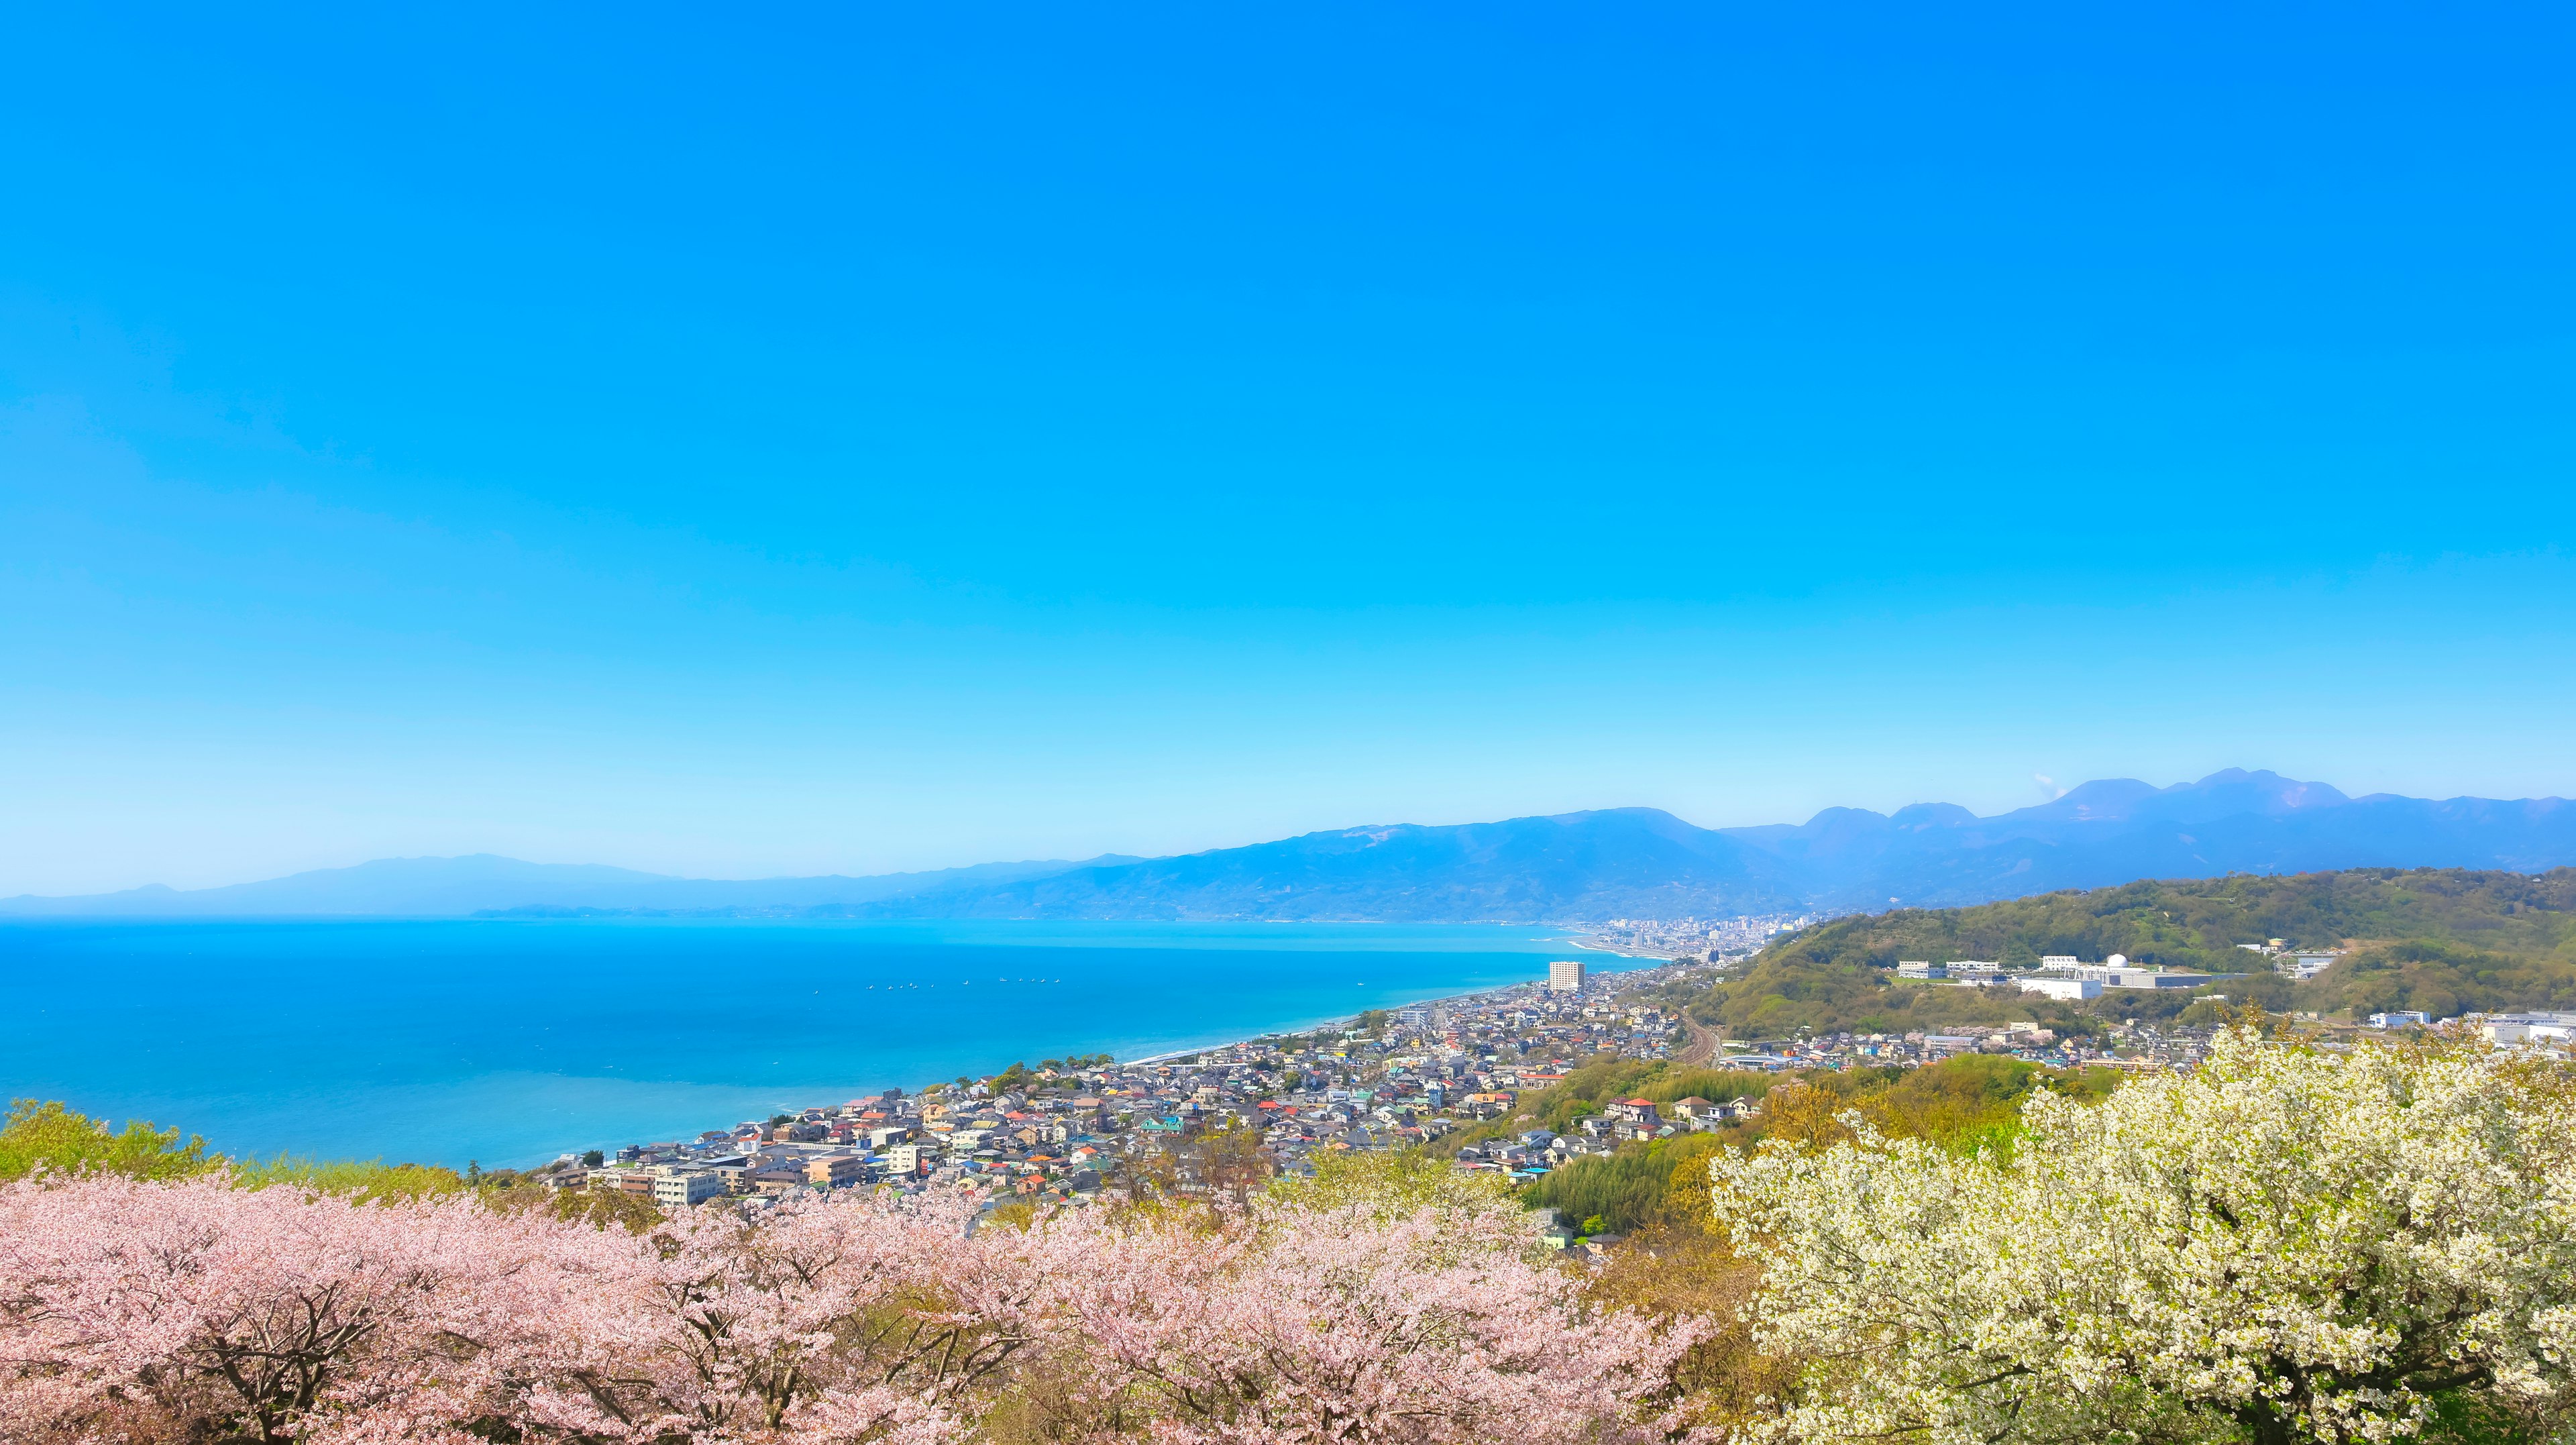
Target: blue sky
[[843, 440]]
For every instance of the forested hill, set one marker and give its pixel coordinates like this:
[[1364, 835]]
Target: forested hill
[[2197, 923], [2442, 940]]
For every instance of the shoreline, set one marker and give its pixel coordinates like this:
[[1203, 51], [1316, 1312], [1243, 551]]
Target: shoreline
[[1345, 1020], [1624, 950], [1070, 1127], [1474, 997], [446, 1042]]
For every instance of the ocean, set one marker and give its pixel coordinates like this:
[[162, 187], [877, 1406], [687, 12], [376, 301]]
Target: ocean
[[510, 1041]]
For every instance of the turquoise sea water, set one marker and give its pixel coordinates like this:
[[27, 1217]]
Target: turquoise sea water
[[509, 1041]]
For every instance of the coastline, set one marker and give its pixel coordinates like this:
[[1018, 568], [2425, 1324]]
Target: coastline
[[1343, 1021], [449, 1041], [1488, 997], [1623, 950], [1073, 1126]]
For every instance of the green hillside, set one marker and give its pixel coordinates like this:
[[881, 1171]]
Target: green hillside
[[2441, 940]]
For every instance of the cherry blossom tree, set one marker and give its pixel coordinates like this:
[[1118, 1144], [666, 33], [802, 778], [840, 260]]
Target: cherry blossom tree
[[1350, 1324], [863, 1317], [149, 1311], [277, 1314], [2288, 1243]]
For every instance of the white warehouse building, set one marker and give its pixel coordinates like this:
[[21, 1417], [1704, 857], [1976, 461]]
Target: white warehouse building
[[2068, 988]]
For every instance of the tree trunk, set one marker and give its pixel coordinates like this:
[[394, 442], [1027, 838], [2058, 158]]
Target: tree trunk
[[2265, 1422]]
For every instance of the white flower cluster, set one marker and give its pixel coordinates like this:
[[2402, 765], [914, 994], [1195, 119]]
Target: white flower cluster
[[2286, 1244]]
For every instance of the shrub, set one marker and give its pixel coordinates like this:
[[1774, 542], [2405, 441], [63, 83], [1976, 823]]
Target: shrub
[[2288, 1243]]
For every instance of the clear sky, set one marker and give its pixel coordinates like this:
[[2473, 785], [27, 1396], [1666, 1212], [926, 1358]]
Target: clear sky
[[843, 438]]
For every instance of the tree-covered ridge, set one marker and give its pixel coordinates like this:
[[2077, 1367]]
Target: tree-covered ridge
[[2198, 923], [2439, 980], [1778, 996], [2442, 940]]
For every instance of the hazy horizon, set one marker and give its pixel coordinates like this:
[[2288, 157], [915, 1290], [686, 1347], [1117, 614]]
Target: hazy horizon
[[2228, 778], [868, 443]]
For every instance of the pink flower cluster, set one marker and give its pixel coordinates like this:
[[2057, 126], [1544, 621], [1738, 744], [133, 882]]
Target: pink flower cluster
[[144, 1311]]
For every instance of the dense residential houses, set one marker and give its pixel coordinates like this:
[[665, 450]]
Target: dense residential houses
[[1708, 940], [1065, 1130]]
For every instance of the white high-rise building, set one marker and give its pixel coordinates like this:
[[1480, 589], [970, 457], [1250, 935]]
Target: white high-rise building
[[1565, 975]]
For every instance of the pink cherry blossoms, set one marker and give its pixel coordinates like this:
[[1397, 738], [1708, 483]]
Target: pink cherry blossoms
[[128, 1306], [1296, 1326], [142, 1312]]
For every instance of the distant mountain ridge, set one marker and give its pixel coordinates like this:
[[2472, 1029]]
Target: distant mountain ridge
[[480, 883], [1617, 862], [2119, 830]]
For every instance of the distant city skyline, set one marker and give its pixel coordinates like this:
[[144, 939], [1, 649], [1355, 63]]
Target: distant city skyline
[[831, 443]]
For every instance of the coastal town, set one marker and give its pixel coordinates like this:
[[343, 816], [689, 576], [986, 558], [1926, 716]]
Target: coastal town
[[1069, 1127], [1227, 1117], [1709, 940]]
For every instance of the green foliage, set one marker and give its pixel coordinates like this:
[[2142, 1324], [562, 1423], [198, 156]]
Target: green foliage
[[1783, 994], [2480, 1417], [1718, 1086], [1785, 991], [1017, 1215], [1965, 1103], [1022, 1078], [49, 1136], [2442, 940], [1606, 1077], [371, 1180], [2197, 923], [1393, 1185], [1973, 1101], [2442, 979], [1659, 1181]]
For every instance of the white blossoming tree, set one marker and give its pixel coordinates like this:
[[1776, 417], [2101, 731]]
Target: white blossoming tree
[[2286, 1244]]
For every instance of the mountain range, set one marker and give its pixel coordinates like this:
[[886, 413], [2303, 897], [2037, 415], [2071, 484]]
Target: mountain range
[[1619, 862], [482, 883]]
